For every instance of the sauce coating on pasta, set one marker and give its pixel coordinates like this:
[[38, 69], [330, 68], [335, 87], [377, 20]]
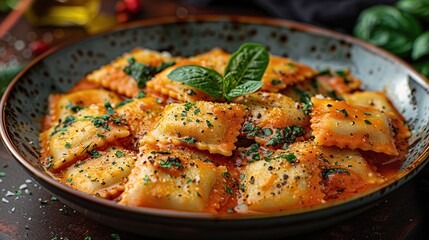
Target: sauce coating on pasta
[[128, 133]]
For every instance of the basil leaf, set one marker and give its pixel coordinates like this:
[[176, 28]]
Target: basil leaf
[[242, 74], [245, 88], [204, 79], [418, 8], [421, 46], [389, 28], [247, 64]]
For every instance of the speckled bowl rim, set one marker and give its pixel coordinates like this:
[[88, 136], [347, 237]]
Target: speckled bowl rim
[[338, 206]]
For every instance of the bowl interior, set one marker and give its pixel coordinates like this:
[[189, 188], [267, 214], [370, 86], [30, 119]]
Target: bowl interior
[[25, 102]]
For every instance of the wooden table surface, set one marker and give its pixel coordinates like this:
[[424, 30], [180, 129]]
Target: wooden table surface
[[28, 211]]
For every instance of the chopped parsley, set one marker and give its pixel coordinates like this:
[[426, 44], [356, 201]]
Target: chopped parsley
[[242, 176], [146, 179], [334, 95], [188, 105], [327, 172], [343, 111], [141, 94], [75, 108], [67, 145], [276, 82], [160, 152], [228, 190], [101, 135], [109, 108], [304, 97], [143, 72], [367, 122], [188, 140], [286, 135], [119, 154], [124, 103], [343, 75], [171, 161], [289, 157], [209, 124], [94, 153]]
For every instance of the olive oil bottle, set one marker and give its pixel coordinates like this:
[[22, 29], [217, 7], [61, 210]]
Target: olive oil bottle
[[62, 12]]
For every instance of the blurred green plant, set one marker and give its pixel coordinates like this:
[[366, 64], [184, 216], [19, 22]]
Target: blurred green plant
[[420, 46], [418, 8], [7, 5], [389, 28], [398, 29], [6, 75], [423, 67]]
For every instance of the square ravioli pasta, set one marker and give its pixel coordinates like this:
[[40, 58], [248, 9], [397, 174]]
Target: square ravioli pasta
[[112, 76], [203, 125], [336, 123], [287, 179], [103, 174], [175, 178], [77, 135]]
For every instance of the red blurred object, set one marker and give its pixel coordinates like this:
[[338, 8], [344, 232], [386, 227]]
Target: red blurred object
[[120, 7], [133, 6], [38, 47], [123, 17]]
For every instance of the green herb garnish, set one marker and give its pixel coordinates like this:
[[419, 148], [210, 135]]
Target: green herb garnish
[[327, 172], [119, 154], [143, 72], [189, 140], [242, 75], [286, 135], [124, 103], [343, 111], [171, 161]]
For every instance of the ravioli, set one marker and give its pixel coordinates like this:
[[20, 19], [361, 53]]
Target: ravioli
[[288, 179], [203, 125], [345, 170], [103, 174], [283, 72], [63, 105], [171, 179], [139, 114], [379, 101], [336, 123], [270, 112], [113, 77], [78, 134]]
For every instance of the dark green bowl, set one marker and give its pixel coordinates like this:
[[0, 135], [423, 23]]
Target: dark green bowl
[[25, 102]]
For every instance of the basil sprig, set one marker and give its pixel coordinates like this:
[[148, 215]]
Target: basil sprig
[[242, 74]]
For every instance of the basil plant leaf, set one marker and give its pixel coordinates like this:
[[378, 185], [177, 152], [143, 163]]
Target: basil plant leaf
[[389, 28], [423, 67], [421, 46], [245, 88], [247, 64], [204, 79], [418, 8]]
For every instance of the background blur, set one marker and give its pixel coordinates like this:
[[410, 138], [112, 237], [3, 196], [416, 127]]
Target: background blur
[[30, 27]]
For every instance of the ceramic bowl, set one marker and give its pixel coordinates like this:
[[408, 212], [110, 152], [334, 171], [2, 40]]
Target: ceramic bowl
[[25, 102]]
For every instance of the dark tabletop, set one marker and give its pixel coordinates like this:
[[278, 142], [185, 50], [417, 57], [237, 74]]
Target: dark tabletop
[[28, 211]]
